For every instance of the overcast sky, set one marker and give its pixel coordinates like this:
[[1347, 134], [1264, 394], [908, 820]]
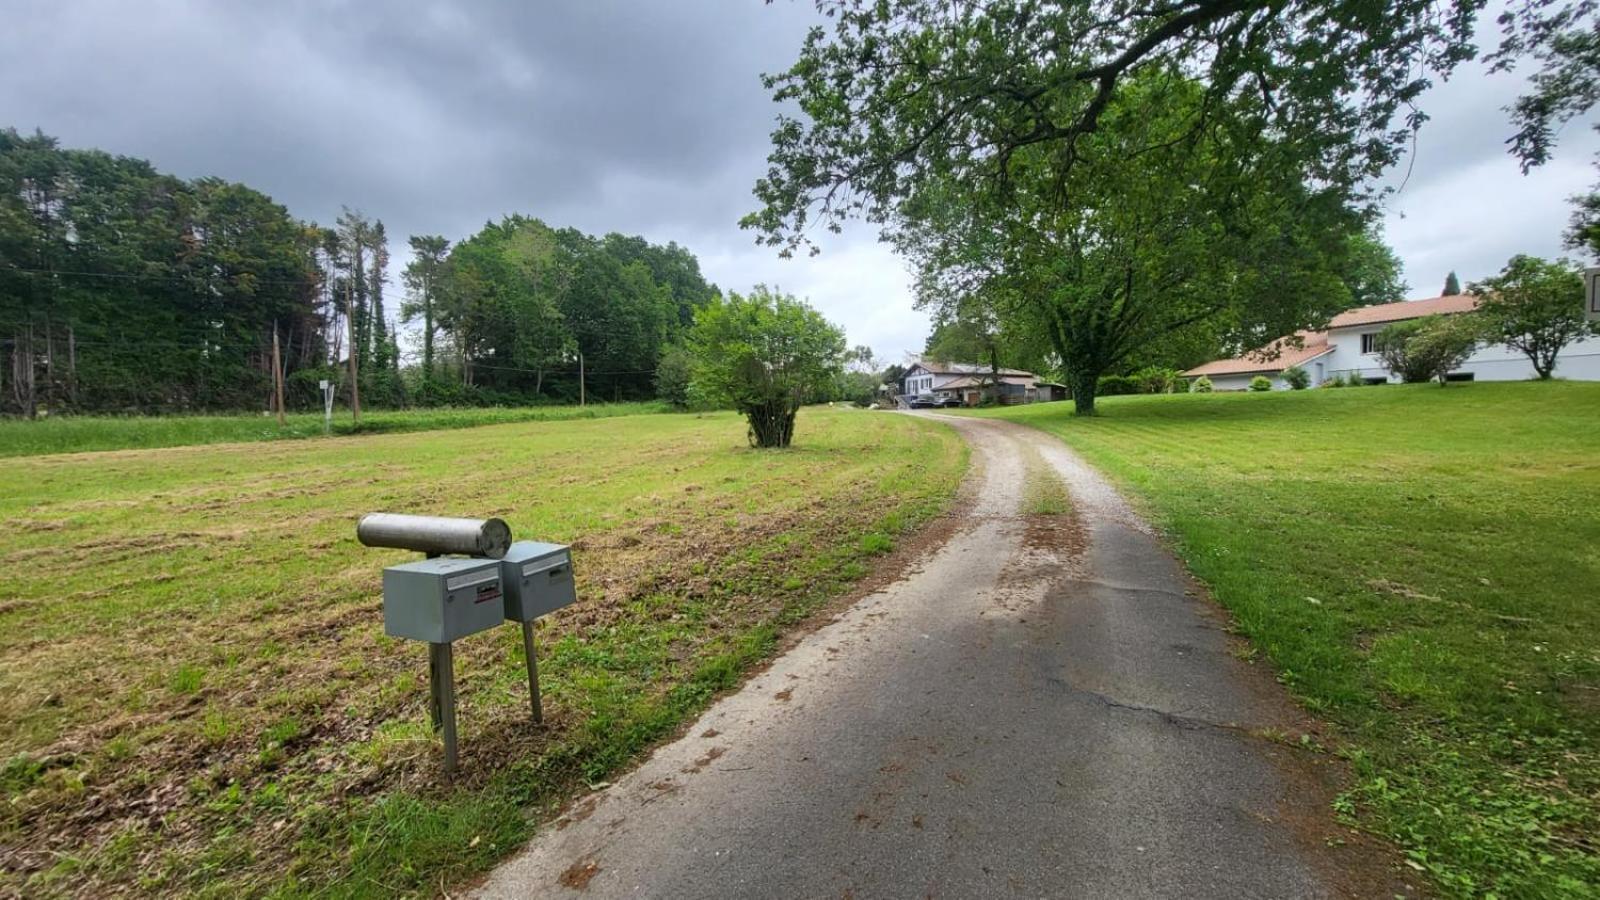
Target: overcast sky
[[639, 117]]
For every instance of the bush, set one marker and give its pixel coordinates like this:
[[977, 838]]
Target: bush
[[1261, 383], [1157, 380], [1201, 385], [1114, 385], [1299, 379], [1420, 349], [673, 373]]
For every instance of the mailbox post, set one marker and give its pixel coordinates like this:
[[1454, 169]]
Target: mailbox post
[[538, 580]]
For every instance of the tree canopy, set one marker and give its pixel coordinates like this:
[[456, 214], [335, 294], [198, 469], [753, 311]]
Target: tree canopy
[[1156, 230], [895, 93], [522, 303]]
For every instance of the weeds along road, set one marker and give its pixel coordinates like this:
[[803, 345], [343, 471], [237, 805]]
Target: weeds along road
[[1042, 707]]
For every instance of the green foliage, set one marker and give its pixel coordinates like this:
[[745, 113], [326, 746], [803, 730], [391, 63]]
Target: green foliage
[[1535, 307], [1297, 378], [1107, 177], [1186, 233], [1159, 380], [123, 288], [1261, 383], [764, 354], [1201, 385], [1430, 347], [673, 374], [1452, 285], [520, 302], [1370, 269], [1114, 385]]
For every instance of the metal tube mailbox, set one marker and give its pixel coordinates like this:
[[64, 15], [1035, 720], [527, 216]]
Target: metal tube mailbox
[[435, 535], [538, 580]]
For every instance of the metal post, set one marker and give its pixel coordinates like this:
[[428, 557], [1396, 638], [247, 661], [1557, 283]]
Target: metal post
[[442, 698], [534, 697]]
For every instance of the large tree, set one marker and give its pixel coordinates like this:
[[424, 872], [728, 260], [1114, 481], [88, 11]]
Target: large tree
[[1155, 229], [988, 137], [423, 277], [1535, 307]]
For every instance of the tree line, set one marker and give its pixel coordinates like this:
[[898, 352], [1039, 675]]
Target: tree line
[[124, 289]]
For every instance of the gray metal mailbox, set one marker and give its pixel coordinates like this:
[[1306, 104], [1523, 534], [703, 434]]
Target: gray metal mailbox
[[440, 600], [537, 578]]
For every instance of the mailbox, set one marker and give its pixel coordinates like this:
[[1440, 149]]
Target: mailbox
[[537, 578], [440, 600]]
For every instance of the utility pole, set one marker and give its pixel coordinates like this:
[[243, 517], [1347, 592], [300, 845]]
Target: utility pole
[[355, 386], [582, 399], [277, 374]]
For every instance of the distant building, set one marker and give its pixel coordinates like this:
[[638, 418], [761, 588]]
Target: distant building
[[971, 384], [1348, 346]]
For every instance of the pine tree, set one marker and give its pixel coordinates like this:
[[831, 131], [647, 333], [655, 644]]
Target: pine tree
[[1452, 285]]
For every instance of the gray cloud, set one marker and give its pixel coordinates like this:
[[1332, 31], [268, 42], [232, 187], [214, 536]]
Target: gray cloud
[[637, 117]]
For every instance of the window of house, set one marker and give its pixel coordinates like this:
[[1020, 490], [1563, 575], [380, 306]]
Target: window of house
[[1369, 342]]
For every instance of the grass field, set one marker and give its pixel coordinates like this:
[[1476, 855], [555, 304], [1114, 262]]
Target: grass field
[[197, 691], [1422, 565], [75, 434]]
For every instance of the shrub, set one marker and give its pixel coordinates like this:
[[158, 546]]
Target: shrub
[[1429, 347], [1114, 385], [1201, 385], [1261, 383], [1299, 379], [1158, 380]]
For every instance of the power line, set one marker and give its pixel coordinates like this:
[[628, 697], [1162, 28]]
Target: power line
[[136, 276]]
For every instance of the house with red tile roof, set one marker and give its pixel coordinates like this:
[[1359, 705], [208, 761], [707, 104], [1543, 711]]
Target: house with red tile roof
[[1348, 346]]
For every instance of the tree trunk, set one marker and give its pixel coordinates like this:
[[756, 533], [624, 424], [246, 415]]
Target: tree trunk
[[427, 328], [771, 424], [1084, 385], [49, 365], [72, 366], [355, 372], [22, 373]]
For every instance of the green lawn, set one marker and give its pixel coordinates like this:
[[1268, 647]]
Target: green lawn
[[1422, 565], [198, 696], [74, 434]]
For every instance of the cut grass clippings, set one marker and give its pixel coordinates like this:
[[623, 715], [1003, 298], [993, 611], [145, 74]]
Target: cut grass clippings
[[200, 699], [1422, 566], [77, 434]]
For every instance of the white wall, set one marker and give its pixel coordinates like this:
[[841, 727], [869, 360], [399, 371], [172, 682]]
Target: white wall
[[1579, 361]]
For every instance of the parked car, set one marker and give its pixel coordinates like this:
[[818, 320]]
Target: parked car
[[949, 402], [924, 401]]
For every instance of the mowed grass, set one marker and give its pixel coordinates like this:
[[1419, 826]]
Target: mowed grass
[[75, 434], [1422, 565], [198, 696]]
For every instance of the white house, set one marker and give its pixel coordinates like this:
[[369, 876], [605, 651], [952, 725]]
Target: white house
[[970, 382], [1347, 347]]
